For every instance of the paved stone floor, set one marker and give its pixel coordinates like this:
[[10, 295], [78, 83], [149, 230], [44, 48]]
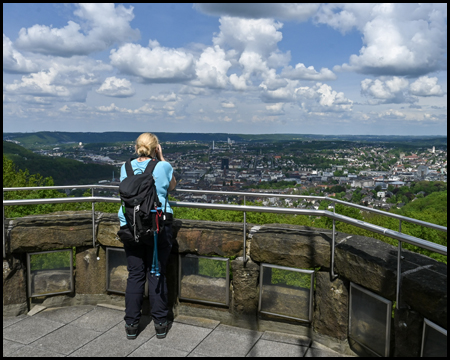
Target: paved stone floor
[[94, 331]]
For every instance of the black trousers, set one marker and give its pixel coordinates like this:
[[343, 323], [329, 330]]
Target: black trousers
[[139, 260]]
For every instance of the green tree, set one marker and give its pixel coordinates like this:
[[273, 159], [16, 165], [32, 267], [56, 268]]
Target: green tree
[[14, 177]]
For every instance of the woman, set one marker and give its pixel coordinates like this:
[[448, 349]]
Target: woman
[[140, 255]]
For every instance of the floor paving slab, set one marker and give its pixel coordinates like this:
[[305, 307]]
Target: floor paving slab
[[96, 331], [228, 341], [99, 319], [150, 349], [66, 340], [30, 329], [9, 320], [287, 338], [321, 352], [182, 337], [113, 343], [196, 321], [32, 351], [65, 315], [266, 348], [10, 347]]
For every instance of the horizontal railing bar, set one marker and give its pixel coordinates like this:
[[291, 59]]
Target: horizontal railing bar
[[359, 223], [61, 200], [395, 216], [251, 194], [61, 187]]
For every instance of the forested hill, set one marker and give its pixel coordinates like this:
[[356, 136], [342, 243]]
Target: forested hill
[[63, 171], [57, 137]]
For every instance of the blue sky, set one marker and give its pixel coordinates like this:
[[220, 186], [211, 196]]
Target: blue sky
[[235, 68]]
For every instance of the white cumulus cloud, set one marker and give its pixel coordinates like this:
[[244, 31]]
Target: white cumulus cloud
[[14, 61], [426, 86], [392, 91], [106, 25], [115, 87], [254, 35], [68, 79], [165, 97], [301, 72], [399, 39], [211, 68], [227, 104], [157, 64]]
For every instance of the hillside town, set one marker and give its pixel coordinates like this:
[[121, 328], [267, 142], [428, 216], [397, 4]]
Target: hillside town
[[371, 172]]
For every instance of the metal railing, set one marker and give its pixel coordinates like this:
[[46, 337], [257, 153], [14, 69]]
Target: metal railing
[[398, 235]]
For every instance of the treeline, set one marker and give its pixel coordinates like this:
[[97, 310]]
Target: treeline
[[58, 137], [62, 171], [15, 177]]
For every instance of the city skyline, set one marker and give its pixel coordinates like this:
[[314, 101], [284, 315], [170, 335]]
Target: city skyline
[[362, 69]]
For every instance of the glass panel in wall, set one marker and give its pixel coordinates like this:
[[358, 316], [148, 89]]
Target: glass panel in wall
[[434, 342], [50, 272], [286, 292], [370, 320], [204, 279], [116, 270]]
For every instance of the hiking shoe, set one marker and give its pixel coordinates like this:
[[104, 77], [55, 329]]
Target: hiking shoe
[[132, 331], [162, 329]]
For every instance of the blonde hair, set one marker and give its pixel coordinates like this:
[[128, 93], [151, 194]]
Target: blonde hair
[[146, 144]]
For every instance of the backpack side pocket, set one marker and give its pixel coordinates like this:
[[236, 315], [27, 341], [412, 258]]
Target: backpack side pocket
[[125, 235]]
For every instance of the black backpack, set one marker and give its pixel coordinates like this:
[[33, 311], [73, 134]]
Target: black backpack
[[140, 204]]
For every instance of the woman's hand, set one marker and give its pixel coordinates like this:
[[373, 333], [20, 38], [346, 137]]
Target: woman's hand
[[159, 154]]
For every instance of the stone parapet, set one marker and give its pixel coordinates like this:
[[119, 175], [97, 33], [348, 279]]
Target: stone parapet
[[365, 261]]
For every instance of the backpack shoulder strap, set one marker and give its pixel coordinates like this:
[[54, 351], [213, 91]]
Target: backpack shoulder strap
[[128, 167], [151, 166]]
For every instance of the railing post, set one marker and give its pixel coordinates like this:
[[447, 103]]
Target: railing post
[[399, 268], [245, 238], [333, 240], [4, 230], [93, 220]]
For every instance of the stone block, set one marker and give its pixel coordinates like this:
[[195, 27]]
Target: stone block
[[59, 230], [209, 238], [331, 306], [90, 275], [368, 262], [291, 245], [245, 286], [425, 290], [14, 285], [108, 226], [408, 326]]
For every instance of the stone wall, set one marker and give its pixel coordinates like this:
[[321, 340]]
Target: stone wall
[[361, 260]]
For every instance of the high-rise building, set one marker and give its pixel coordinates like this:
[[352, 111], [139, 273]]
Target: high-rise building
[[225, 164]]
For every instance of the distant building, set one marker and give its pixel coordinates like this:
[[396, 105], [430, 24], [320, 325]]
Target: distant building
[[422, 171], [363, 183], [225, 164]]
